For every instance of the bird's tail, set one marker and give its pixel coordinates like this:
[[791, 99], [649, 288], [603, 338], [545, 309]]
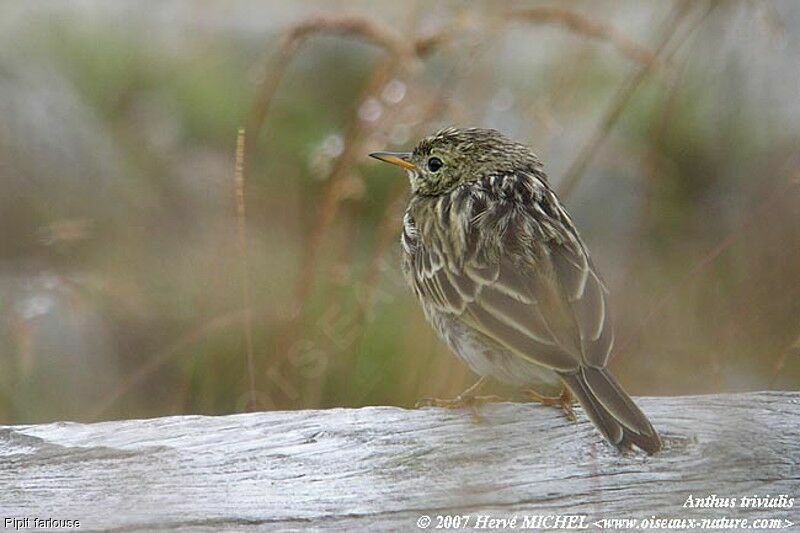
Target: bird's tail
[[611, 409]]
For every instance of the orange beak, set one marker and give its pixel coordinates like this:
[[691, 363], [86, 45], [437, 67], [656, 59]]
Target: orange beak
[[401, 159]]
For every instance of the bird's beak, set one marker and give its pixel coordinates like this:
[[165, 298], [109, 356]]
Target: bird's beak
[[401, 159]]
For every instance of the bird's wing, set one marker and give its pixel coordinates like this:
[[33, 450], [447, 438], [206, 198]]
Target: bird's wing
[[550, 309], [586, 294], [517, 303]]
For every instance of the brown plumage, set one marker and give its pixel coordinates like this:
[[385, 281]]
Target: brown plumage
[[504, 277]]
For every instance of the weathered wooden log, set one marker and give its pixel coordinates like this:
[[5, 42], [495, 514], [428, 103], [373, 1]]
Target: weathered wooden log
[[388, 468]]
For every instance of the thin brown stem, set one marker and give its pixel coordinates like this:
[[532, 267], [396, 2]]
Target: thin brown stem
[[161, 358], [400, 53], [389, 227], [387, 234], [780, 362], [623, 96], [586, 26], [241, 218], [651, 169], [778, 193], [357, 131], [329, 204], [295, 36]]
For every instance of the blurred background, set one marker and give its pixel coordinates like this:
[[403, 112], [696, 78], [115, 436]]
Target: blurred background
[[133, 283]]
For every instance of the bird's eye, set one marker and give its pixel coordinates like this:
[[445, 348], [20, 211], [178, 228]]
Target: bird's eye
[[434, 164]]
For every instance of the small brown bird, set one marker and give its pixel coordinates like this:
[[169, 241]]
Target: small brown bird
[[506, 280]]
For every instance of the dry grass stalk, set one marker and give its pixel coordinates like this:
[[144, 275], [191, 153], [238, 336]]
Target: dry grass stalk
[[352, 25], [332, 194], [387, 234], [241, 218], [781, 361], [296, 35], [244, 316], [778, 193], [623, 97], [651, 169], [586, 26], [389, 227], [357, 131], [401, 52], [163, 357]]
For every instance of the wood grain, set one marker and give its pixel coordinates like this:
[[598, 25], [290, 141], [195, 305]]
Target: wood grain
[[381, 468]]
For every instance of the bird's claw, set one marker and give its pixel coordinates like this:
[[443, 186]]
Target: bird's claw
[[563, 401]]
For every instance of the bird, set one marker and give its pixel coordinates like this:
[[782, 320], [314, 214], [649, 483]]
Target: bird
[[505, 279]]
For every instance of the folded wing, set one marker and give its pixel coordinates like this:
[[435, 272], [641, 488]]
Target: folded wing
[[548, 307]]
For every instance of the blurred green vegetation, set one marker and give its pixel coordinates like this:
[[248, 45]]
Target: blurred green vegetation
[[121, 295]]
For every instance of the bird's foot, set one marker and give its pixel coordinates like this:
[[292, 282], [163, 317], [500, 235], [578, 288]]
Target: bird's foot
[[467, 399], [564, 401], [462, 401]]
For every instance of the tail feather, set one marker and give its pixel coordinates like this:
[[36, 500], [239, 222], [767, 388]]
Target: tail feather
[[611, 409]]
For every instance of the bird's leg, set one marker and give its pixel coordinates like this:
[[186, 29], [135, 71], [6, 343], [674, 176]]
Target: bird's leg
[[468, 398], [563, 400]]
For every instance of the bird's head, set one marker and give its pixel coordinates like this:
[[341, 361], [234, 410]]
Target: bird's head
[[453, 156]]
